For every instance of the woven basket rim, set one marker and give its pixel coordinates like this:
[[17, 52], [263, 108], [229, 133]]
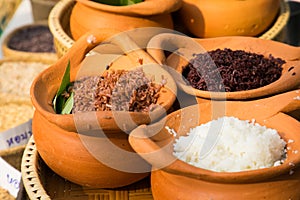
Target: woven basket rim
[[27, 59], [54, 22], [12, 152], [29, 172], [280, 22], [23, 59]]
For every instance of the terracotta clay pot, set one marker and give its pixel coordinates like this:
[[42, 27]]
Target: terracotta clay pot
[[183, 49], [172, 178], [87, 15], [228, 18], [91, 148]]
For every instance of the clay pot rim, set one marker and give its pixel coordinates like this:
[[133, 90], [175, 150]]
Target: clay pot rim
[[145, 8]]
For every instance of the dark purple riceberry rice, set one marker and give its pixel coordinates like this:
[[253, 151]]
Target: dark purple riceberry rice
[[231, 70], [33, 39]]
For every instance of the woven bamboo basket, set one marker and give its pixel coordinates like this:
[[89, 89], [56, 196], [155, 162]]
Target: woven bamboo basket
[[59, 24], [40, 182], [13, 155], [46, 57], [276, 31]]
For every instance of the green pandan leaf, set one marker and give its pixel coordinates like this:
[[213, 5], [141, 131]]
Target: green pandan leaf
[[59, 101], [67, 108], [119, 2]]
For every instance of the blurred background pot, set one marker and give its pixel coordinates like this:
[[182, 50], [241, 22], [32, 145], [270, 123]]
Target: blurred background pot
[[42, 8], [87, 15], [227, 18]]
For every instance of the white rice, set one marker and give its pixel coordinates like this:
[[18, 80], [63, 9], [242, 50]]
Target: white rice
[[240, 145], [17, 76]]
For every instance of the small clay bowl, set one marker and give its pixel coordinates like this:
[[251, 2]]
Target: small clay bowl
[[183, 48], [172, 178], [91, 148]]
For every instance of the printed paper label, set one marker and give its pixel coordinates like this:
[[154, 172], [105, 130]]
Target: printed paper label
[[9, 178], [16, 136]]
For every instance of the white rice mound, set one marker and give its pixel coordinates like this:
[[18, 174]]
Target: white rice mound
[[240, 145]]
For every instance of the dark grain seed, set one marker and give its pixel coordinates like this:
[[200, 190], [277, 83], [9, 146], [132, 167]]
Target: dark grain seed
[[32, 39], [290, 68]]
